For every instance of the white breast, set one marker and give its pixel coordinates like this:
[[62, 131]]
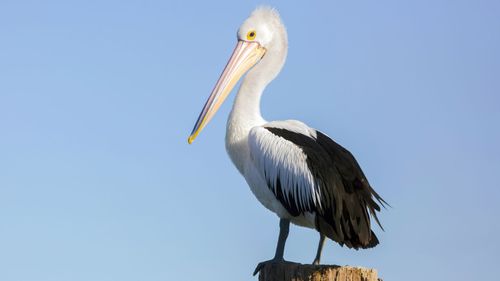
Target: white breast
[[238, 150], [260, 189]]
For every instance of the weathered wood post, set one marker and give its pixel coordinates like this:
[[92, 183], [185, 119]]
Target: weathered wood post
[[289, 271]]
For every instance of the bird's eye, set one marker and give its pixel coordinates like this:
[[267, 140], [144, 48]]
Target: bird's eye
[[251, 35]]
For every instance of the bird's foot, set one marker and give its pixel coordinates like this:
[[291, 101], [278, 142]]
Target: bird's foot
[[316, 262], [263, 264]]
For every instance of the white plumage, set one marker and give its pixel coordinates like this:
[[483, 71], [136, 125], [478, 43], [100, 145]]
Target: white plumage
[[279, 159], [295, 171]]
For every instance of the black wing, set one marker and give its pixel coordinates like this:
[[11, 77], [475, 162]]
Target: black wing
[[347, 199]]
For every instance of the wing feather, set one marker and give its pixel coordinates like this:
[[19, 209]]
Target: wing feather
[[309, 172], [285, 169]]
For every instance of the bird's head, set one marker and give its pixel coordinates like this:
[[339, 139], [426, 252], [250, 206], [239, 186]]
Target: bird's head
[[264, 27], [262, 45]]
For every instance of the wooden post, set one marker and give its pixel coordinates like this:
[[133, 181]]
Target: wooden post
[[289, 271]]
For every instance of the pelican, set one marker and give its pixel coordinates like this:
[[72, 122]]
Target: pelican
[[295, 171]]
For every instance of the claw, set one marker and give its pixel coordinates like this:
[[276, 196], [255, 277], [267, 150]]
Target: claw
[[261, 265], [258, 268]]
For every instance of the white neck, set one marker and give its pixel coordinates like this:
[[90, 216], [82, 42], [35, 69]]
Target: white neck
[[246, 109], [244, 116]]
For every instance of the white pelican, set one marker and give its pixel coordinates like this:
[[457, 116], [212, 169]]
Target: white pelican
[[295, 171]]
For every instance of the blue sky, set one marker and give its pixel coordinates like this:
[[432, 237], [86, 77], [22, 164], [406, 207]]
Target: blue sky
[[97, 99]]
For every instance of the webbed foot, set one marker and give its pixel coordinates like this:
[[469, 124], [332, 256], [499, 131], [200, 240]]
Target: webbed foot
[[261, 265]]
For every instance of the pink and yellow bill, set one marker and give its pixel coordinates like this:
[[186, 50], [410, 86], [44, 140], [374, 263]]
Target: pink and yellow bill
[[245, 56]]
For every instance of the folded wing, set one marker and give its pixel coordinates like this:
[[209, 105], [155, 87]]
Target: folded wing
[[309, 172]]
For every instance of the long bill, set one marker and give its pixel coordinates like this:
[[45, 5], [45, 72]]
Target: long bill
[[245, 55]]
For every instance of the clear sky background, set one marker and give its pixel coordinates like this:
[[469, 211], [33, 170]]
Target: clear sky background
[[97, 99]]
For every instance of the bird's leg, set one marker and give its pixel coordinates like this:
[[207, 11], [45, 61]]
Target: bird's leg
[[320, 248], [280, 248]]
